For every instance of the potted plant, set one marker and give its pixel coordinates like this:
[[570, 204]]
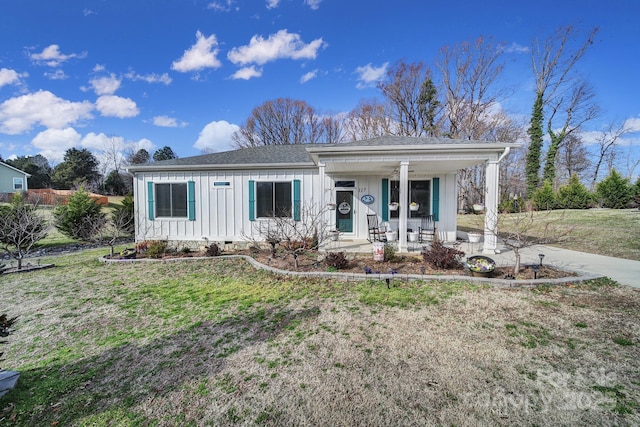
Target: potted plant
[[414, 206], [481, 266], [334, 234], [474, 237], [393, 206]]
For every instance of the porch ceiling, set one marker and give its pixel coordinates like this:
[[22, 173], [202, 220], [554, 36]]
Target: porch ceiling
[[369, 166]]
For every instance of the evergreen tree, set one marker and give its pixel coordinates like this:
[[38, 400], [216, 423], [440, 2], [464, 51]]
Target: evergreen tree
[[544, 198], [164, 153], [81, 218], [574, 195], [614, 191], [532, 167], [79, 167]]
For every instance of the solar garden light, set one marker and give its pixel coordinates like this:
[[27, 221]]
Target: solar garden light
[[541, 256], [535, 269]]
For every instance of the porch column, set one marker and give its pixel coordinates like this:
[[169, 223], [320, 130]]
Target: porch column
[[404, 206], [321, 199], [492, 175]]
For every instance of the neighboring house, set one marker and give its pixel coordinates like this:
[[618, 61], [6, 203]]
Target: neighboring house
[[221, 197], [12, 180]]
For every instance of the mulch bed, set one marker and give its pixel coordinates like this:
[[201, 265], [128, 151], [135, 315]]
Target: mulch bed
[[360, 263]]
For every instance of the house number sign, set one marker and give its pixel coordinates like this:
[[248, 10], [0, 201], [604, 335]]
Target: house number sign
[[367, 199], [344, 208]]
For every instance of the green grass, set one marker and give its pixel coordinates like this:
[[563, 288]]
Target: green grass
[[611, 232]]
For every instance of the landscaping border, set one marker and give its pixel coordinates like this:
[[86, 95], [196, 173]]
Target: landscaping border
[[501, 283]]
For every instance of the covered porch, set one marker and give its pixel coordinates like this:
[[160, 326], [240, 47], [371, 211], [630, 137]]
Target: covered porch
[[367, 177]]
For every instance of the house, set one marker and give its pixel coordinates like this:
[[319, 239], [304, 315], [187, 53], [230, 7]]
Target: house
[[12, 180], [223, 197]]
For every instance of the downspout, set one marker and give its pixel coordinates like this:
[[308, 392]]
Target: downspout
[[506, 152]]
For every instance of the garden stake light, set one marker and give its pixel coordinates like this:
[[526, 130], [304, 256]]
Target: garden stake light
[[541, 256]]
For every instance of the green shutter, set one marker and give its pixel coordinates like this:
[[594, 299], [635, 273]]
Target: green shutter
[[252, 200], [385, 199], [296, 200], [436, 199], [191, 200], [151, 206]]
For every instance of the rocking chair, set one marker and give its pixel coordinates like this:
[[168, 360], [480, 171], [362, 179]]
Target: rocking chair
[[427, 229], [375, 233]]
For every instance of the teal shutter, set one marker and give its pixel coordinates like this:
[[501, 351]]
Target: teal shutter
[[385, 199], [436, 199], [252, 200], [296, 200], [151, 205], [191, 200]]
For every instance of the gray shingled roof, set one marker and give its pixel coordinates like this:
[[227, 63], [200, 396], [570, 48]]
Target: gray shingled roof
[[294, 155]]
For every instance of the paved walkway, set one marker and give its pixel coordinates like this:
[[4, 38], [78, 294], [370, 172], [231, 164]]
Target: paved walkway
[[624, 271]]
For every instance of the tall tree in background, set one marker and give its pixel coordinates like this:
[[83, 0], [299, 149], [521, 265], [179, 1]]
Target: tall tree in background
[[37, 166], [78, 167], [411, 99], [164, 153], [606, 147], [367, 120], [139, 157], [286, 121], [552, 61], [573, 159]]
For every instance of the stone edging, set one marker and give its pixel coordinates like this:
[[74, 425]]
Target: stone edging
[[502, 283]]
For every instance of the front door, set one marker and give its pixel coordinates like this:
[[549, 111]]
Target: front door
[[344, 211]]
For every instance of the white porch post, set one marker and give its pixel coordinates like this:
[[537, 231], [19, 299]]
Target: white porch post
[[404, 206], [321, 201], [492, 176]]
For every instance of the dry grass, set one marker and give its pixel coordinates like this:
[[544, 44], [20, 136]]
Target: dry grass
[[611, 232], [216, 343]]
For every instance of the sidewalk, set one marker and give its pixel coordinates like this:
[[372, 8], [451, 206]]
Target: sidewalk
[[623, 271]]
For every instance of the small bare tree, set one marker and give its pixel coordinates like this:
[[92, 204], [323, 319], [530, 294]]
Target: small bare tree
[[295, 237], [21, 227], [527, 228]]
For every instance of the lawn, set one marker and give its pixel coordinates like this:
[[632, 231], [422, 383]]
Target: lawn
[[611, 232], [217, 343]]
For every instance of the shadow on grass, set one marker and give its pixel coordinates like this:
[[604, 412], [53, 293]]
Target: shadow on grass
[[122, 377]]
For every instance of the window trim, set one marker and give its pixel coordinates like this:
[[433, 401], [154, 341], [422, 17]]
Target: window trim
[[15, 181], [190, 203]]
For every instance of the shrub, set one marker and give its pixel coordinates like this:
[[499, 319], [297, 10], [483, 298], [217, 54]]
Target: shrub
[[614, 191], [573, 195], [21, 227], [213, 250], [156, 248], [511, 205], [6, 324], [337, 260], [389, 252], [544, 198], [123, 215], [81, 218], [441, 256]]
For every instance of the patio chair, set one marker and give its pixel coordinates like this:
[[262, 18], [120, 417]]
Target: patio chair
[[376, 234], [427, 229]]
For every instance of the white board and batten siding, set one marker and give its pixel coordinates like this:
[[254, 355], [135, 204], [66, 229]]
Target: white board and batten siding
[[221, 211]]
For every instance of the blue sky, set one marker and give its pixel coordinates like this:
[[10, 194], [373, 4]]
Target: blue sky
[[186, 73]]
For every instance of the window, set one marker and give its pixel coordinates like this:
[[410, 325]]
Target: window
[[273, 199], [345, 184], [171, 200], [222, 184], [18, 184], [419, 192]]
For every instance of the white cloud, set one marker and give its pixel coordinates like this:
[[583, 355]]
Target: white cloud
[[105, 85], [222, 6], [313, 4], [21, 113], [149, 78], [247, 73], [116, 106], [272, 4], [369, 75], [309, 76], [201, 55], [278, 46], [52, 56], [52, 143], [56, 75], [100, 141], [168, 122], [632, 125], [216, 136], [515, 48], [8, 76]]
